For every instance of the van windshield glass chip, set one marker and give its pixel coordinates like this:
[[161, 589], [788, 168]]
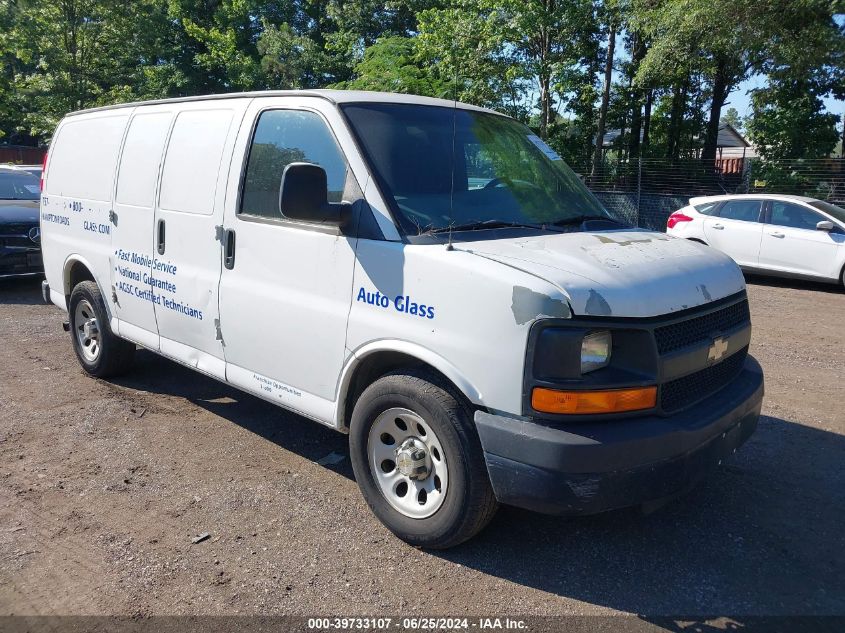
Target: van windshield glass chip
[[444, 167]]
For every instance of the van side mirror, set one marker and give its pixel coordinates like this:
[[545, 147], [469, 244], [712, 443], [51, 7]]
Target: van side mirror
[[304, 195], [825, 225]]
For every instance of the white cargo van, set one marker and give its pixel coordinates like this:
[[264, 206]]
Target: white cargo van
[[428, 277]]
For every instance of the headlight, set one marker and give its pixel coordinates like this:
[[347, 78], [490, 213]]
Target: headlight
[[595, 351]]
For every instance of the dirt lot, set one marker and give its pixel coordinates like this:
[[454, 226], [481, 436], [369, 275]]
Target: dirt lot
[[103, 485]]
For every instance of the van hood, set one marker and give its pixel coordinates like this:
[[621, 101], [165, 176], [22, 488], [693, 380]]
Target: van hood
[[624, 273], [18, 212]]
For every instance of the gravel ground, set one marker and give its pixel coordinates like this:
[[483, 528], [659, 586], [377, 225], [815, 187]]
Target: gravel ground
[[103, 485]]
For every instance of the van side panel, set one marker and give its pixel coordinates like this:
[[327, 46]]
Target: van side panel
[[77, 199], [132, 235], [455, 306], [188, 250]]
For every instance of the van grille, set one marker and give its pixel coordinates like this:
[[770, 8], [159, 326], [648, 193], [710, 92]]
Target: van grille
[[15, 229], [21, 241], [678, 335], [686, 391]]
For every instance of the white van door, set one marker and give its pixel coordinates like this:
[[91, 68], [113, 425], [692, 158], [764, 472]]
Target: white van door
[[285, 291], [133, 220], [77, 198], [187, 249]]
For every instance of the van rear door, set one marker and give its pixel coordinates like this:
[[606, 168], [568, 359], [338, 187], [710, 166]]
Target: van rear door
[[133, 220], [187, 251]]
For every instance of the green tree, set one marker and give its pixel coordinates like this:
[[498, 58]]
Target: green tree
[[465, 42], [716, 38], [224, 42], [545, 37], [292, 60], [806, 64], [731, 117], [392, 65], [726, 40], [63, 55], [504, 52], [788, 121]]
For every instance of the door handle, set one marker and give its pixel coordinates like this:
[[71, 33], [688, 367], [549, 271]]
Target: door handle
[[719, 227], [229, 249], [776, 234], [160, 237]]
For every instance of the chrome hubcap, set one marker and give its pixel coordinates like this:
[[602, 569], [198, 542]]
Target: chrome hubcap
[[412, 460], [87, 330], [408, 463]]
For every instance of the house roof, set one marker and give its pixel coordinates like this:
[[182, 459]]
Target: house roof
[[728, 137]]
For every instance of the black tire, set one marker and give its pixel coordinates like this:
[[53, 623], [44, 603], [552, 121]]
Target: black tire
[[468, 503], [114, 355]]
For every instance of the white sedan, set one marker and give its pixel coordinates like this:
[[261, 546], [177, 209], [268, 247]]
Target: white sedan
[[789, 236]]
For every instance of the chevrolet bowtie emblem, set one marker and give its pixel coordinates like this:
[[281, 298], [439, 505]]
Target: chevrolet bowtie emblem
[[717, 349]]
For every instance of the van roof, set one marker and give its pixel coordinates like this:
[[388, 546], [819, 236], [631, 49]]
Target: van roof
[[335, 96]]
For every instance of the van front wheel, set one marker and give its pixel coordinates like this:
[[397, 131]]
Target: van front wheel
[[100, 352], [418, 461]]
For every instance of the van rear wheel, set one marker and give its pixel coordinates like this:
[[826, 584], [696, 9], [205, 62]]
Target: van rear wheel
[[100, 352], [418, 461]]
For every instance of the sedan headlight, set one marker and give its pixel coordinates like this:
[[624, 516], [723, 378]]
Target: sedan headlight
[[595, 351]]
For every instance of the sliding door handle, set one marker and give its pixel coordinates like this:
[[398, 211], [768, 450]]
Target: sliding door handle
[[229, 249], [160, 237]]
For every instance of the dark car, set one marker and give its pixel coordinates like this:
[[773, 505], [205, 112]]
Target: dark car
[[20, 235]]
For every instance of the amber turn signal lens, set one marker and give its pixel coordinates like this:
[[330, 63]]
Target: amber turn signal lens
[[577, 402]]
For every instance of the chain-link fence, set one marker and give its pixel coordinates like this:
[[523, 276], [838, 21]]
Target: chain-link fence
[[646, 191]]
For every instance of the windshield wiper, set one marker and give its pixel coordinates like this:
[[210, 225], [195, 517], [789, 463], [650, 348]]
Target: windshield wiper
[[487, 224]]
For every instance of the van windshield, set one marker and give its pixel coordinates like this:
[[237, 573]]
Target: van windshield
[[450, 168]]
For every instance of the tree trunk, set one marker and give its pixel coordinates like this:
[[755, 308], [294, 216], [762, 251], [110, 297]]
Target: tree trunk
[[588, 119], [676, 115], [636, 128], [545, 74], [605, 100], [623, 124], [842, 147], [649, 97], [721, 88], [545, 104], [640, 50]]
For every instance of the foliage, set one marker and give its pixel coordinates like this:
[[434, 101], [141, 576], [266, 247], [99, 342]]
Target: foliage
[[789, 121], [731, 117], [540, 61], [392, 64]]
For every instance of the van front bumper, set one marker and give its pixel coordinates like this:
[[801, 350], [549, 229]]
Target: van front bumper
[[20, 262], [590, 467]]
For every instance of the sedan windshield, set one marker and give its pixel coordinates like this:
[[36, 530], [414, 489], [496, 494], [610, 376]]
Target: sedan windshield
[[18, 185], [451, 168]]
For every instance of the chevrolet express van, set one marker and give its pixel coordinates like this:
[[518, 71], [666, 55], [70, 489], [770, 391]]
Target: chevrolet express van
[[428, 277]]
